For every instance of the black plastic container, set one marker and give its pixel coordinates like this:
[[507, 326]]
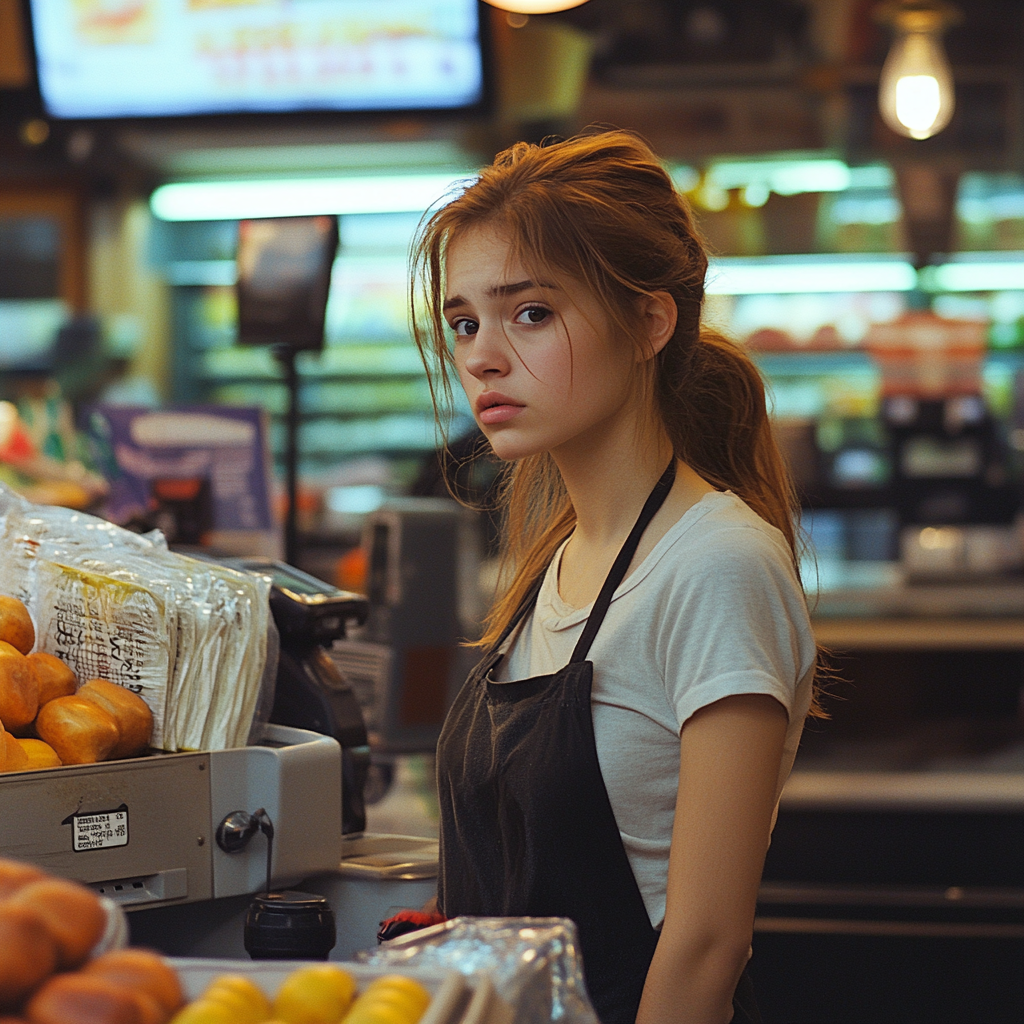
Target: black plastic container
[[289, 925]]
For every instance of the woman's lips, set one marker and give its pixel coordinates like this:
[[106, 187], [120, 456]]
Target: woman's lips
[[499, 413], [494, 407]]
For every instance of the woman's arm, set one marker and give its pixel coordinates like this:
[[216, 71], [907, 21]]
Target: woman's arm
[[729, 766]]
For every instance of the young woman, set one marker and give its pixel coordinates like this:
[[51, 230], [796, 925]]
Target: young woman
[[617, 756]]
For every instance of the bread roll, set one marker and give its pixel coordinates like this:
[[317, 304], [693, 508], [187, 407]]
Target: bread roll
[[40, 754], [74, 916], [12, 755], [81, 999], [53, 678], [16, 624], [144, 970], [29, 953], [130, 711], [14, 874], [79, 730], [19, 696]]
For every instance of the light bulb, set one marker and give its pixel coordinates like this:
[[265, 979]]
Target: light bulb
[[915, 92], [535, 6]]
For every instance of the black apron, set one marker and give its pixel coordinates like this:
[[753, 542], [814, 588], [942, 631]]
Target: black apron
[[527, 829]]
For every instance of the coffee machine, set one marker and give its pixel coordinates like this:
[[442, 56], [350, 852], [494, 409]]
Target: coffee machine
[[951, 486]]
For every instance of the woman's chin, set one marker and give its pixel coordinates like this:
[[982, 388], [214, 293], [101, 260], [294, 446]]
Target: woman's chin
[[510, 449]]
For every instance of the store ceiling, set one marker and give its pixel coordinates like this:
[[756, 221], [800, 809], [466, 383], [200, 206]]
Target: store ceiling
[[698, 78]]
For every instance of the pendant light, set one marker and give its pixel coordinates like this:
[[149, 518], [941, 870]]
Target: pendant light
[[915, 92], [529, 7]]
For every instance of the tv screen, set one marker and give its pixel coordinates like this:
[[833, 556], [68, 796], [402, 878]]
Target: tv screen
[[160, 58]]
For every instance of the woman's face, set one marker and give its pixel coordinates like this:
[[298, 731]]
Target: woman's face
[[537, 359]]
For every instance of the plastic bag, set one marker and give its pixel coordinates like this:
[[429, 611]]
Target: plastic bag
[[533, 961], [189, 636]]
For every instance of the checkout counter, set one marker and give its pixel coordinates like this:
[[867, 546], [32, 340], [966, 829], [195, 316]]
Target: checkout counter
[[193, 835], [894, 886]]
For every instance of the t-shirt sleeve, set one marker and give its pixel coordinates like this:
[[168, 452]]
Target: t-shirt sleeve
[[740, 625]]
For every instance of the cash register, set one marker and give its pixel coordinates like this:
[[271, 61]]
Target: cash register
[[311, 693]]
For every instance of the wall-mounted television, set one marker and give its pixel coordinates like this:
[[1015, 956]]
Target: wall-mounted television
[[101, 59]]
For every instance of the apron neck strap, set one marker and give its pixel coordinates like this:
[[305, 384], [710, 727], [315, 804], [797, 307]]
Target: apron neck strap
[[618, 570]]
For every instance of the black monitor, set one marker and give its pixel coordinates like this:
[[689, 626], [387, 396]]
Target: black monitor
[[104, 59], [284, 276]]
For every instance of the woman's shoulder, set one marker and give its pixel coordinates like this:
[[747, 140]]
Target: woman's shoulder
[[722, 524], [718, 543]]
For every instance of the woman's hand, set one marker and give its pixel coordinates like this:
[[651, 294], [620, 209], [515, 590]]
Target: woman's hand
[[728, 771]]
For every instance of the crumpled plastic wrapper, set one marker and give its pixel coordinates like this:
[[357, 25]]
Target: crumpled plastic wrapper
[[190, 637], [534, 962]]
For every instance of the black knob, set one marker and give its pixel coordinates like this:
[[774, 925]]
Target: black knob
[[236, 830]]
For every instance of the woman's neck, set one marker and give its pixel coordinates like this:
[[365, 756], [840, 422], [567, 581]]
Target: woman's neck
[[608, 488], [608, 485]]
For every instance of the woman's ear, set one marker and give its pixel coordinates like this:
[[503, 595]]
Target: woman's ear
[[658, 314]]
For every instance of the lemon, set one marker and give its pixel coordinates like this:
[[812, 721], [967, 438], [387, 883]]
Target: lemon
[[369, 1013], [412, 1001], [247, 999], [205, 1011], [393, 999], [318, 994]]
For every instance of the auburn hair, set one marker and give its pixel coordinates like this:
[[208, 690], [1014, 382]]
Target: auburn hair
[[601, 209]]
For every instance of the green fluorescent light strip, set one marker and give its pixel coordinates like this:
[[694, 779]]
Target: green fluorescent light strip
[[1001, 275], [740, 277], [787, 177], [298, 197]]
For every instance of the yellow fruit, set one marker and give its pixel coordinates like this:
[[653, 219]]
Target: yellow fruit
[[379, 1013], [400, 983], [318, 994], [393, 999], [409, 1003], [248, 1000], [205, 1011], [40, 754]]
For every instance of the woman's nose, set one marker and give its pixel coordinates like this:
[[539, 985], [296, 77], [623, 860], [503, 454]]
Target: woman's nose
[[488, 354]]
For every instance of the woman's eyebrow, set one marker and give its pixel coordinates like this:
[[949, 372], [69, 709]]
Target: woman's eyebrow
[[499, 289], [519, 286]]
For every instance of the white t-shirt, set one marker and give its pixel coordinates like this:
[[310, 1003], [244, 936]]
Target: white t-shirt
[[715, 609]]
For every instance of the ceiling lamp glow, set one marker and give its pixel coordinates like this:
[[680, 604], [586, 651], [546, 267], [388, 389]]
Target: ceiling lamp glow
[[535, 6], [299, 197], [915, 92]]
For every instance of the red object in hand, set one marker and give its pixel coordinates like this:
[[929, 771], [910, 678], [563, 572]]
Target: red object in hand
[[406, 921]]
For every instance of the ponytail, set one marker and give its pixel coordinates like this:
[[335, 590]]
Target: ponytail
[[712, 401]]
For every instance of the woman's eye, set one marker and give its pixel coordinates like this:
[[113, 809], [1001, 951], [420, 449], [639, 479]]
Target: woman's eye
[[464, 328], [533, 315]]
